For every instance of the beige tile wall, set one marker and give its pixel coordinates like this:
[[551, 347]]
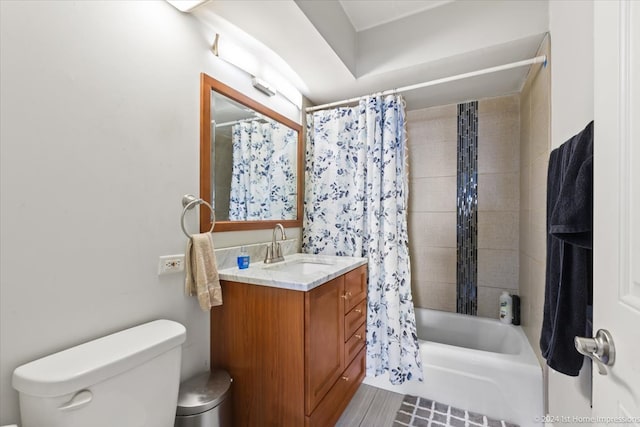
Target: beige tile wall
[[222, 171], [535, 106], [498, 200], [432, 141]]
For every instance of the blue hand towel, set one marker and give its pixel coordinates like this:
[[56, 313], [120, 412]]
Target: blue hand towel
[[569, 274]]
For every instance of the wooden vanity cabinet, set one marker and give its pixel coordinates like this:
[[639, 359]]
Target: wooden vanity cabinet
[[296, 358]]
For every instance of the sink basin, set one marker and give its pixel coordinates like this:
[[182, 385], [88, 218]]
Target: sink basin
[[302, 266]]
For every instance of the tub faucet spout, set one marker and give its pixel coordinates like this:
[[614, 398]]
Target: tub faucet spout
[[274, 251]]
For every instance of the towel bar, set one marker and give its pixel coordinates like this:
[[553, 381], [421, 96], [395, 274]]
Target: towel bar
[[190, 201]]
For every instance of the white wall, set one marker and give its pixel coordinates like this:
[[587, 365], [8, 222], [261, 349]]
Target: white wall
[[571, 28], [99, 141]]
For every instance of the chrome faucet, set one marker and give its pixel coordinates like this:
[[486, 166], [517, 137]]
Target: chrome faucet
[[274, 251]]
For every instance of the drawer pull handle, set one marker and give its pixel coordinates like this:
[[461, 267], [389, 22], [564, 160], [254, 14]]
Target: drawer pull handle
[[358, 336], [347, 295], [345, 378], [357, 310]]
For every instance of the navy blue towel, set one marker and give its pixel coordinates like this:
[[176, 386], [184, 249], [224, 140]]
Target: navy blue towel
[[569, 274]]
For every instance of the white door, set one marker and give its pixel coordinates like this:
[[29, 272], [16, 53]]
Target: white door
[[617, 206]]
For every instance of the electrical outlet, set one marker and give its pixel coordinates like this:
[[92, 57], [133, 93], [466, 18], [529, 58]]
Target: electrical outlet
[[170, 264]]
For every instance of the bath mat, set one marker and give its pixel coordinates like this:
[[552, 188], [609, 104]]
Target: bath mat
[[420, 412]]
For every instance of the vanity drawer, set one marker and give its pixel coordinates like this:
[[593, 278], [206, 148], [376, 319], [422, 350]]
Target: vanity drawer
[[354, 344], [354, 318], [333, 404], [355, 287]]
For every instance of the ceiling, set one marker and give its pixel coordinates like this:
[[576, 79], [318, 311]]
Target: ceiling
[[332, 50], [365, 14]]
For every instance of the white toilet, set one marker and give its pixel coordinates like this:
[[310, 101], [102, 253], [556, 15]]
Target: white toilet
[[127, 379]]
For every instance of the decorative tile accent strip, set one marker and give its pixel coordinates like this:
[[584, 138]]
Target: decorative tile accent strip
[[419, 412], [467, 209]]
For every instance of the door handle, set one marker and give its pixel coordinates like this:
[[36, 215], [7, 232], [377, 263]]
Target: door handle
[[600, 349]]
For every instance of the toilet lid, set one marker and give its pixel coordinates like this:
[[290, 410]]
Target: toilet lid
[[203, 392]]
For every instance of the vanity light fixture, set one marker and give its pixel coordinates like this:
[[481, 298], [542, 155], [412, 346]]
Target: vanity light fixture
[[186, 5], [263, 86], [247, 60]]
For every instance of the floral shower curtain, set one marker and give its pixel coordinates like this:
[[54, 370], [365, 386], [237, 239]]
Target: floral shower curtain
[[263, 184], [356, 205]]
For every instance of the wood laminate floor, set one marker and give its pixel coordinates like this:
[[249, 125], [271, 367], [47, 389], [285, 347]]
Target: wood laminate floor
[[371, 407]]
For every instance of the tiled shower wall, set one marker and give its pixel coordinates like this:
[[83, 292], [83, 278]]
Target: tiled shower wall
[[432, 140], [432, 143], [535, 107], [498, 200], [223, 151]]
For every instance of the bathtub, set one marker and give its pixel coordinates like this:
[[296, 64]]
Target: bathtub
[[477, 364]]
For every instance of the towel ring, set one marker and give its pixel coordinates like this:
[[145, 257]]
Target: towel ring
[[190, 201]]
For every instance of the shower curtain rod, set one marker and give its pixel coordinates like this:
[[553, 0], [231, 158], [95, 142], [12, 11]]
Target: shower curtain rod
[[235, 122], [536, 60], [256, 116]]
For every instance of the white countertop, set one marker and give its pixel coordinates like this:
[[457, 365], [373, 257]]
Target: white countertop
[[298, 272]]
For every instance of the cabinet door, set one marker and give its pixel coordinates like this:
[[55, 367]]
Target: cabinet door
[[257, 335], [324, 340]]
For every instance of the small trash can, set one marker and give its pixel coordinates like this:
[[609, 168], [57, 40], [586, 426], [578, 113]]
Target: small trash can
[[203, 401]]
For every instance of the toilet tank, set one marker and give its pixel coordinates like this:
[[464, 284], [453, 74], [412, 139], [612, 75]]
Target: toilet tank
[[127, 379]]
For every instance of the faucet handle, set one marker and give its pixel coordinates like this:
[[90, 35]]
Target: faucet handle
[[278, 253], [269, 255]]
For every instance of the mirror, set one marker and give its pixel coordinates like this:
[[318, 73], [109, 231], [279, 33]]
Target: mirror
[[251, 165]]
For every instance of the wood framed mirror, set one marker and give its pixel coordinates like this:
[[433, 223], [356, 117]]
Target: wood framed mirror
[[251, 162]]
